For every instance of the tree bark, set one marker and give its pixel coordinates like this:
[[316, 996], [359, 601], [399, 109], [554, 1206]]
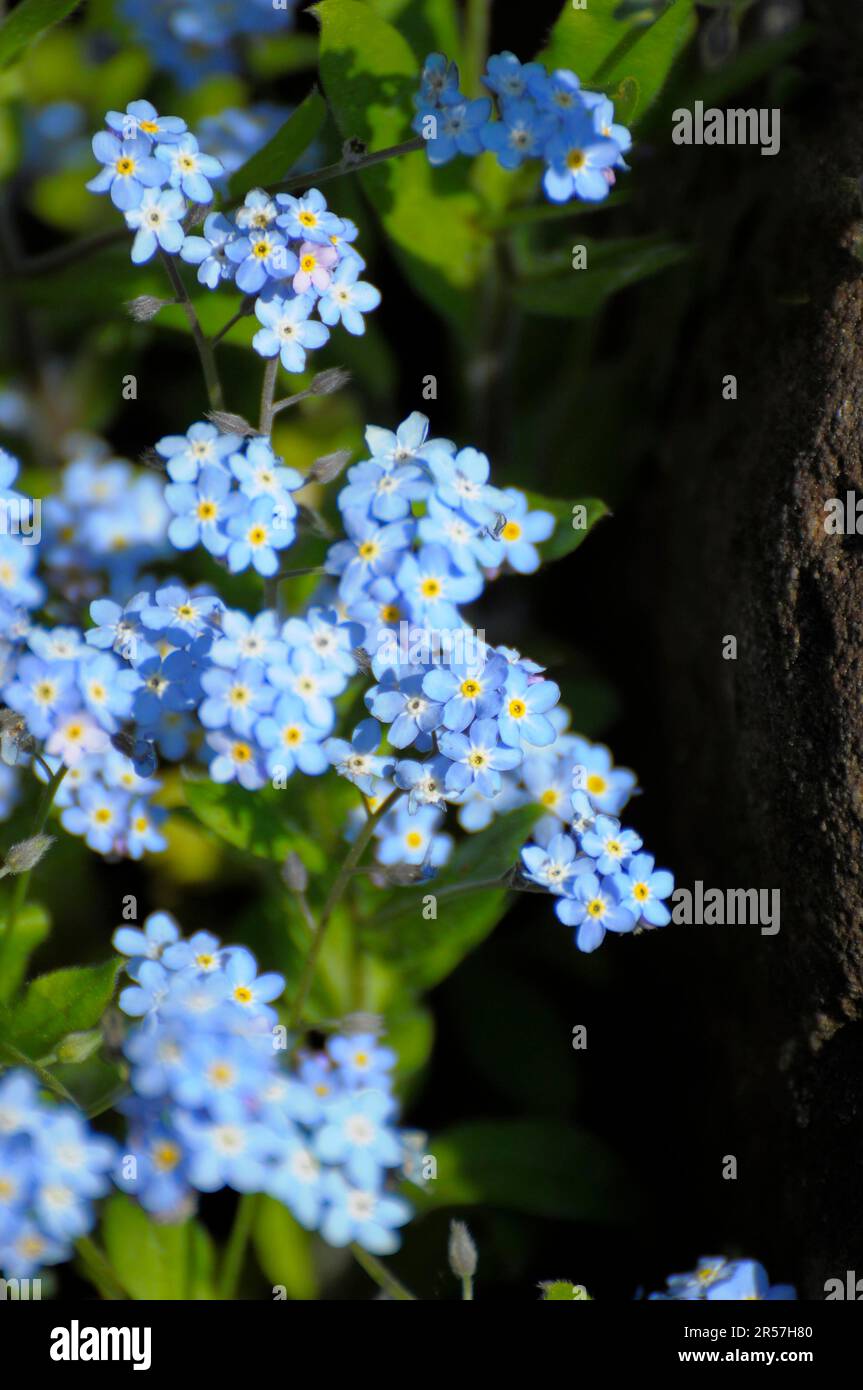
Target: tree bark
[[767, 774]]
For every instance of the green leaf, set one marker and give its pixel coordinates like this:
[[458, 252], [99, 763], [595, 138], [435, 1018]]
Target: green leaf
[[257, 822], [284, 1250], [430, 26], [427, 950], [66, 1001], [275, 161], [31, 928], [572, 525], [370, 75], [27, 22], [604, 51], [561, 1291], [543, 1168], [157, 1261], [611, 266]]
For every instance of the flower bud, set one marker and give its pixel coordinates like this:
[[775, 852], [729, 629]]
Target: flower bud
[[77, 1047], [229, 423], [294, 873], [145, 307], [26, 854], [328, 466], [462, 1251], [326, 382]]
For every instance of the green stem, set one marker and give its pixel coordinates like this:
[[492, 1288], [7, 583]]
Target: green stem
[[347, 166], [99, 1269], [22, 881], [477, 21], [49, 1081], [268, 391], [235, 1250], [343, 878], [382, 1276], [467, 1289], [202, 342]]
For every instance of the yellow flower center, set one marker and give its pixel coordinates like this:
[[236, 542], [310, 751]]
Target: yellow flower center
[[431, 588], [207, 511], [241, 753], [641, 892], [257, 535], [517, 709], [595, 907], [596, 784], [292, 736], [511, 531], [125, 166], [368, 550], [413, 839], [575, 160], [243, 994], [261, 249], [470, 689], [165, 1157]]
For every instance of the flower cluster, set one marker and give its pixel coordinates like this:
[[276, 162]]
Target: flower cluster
[[717, 1279], [52, 1165], [216, 1105], [192, 42], [294, 254], [595, 868], [540, 115], [230, 495]]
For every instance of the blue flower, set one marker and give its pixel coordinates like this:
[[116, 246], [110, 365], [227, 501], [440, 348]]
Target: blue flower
[[244, 638], [100, 817], [433, 587], [257, 533], [641, 890], [525, 705], [356, 762], [157, 222], [307, 218], [467, 690], [438, 81], [521, 530], [261, 257], [159, 931], [411, 837], [403, 445], [477, 757], [461, 482], [327, 638], [365, 1215], [454, 128], [258, 211], [141, 118], [200, 510], [314, 682], [202, 446], [594, 908], [236, 759], [371, 550], [287, 330], [402, 703], [468, 543], [578, 159], [129, 170], [508, 77], [554, 866], [186, 614], [356, 1135], [603, 119], [348, 298], [608, 787], [189, 169], [520, 134], [292, 740], [383, 492], [610, 846], [235, 699], [361, 1059], [210, 251], [117, 627], [261, 474], [107, 699], [229, 1150]]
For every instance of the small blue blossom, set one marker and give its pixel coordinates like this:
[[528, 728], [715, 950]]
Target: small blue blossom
[[157, 222], [129, 170], [189, 169], [287, 330]]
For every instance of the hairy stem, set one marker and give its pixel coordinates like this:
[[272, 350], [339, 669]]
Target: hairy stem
[[382, 1276], [202, 342], [22, 881], [343, 878], [235, 1249], [348, 166]]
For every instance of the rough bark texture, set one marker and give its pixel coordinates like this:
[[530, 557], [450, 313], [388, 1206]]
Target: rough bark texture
[[768, 773]]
